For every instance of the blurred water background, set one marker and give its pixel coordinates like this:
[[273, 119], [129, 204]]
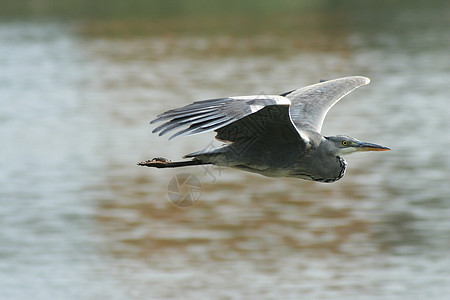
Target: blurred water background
[[79, 81]]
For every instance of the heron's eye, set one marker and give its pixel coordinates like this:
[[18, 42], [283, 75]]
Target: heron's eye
[[344, 143]]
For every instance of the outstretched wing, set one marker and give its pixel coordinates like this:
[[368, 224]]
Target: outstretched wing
[[218, 114], [310, 104]]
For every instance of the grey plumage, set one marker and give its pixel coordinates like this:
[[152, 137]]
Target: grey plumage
[[273, 135]]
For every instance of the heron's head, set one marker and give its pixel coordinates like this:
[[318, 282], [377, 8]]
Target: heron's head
[[342, 144]]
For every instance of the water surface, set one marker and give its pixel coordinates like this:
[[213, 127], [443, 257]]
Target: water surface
[[81, 221]]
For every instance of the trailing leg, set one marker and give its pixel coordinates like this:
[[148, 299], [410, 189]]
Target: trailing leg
[[160, 162]]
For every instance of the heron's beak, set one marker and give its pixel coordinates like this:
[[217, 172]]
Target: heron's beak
[[364, 146]]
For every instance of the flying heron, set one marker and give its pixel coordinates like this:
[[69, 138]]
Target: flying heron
[[273, 135]]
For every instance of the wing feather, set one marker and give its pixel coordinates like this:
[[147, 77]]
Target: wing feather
[[183, 121], [213, 114], [310, 104]]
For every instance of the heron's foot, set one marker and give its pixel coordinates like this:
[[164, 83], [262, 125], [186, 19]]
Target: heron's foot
[[161, 160], [157, 162]]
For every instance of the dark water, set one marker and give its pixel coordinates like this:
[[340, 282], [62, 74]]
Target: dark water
[[79, 220]]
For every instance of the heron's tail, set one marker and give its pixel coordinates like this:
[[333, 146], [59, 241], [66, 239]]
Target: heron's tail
[[165, 163]]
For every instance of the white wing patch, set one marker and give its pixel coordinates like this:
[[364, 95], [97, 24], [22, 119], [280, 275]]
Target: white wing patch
[[258, 102]]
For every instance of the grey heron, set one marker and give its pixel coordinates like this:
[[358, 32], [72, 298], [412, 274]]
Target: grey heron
[[273, 135]]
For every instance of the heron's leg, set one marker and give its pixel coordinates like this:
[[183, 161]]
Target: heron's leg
[[160, 162]]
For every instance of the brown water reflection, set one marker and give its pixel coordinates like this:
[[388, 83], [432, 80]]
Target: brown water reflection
[[301, 237]]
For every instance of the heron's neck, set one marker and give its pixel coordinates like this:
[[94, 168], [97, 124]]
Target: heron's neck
[[329, 148]]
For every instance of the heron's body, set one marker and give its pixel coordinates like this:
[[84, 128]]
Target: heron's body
[[276, 136], [286, 159]]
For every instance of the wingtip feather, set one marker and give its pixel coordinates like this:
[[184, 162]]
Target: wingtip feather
[[364, 80]]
